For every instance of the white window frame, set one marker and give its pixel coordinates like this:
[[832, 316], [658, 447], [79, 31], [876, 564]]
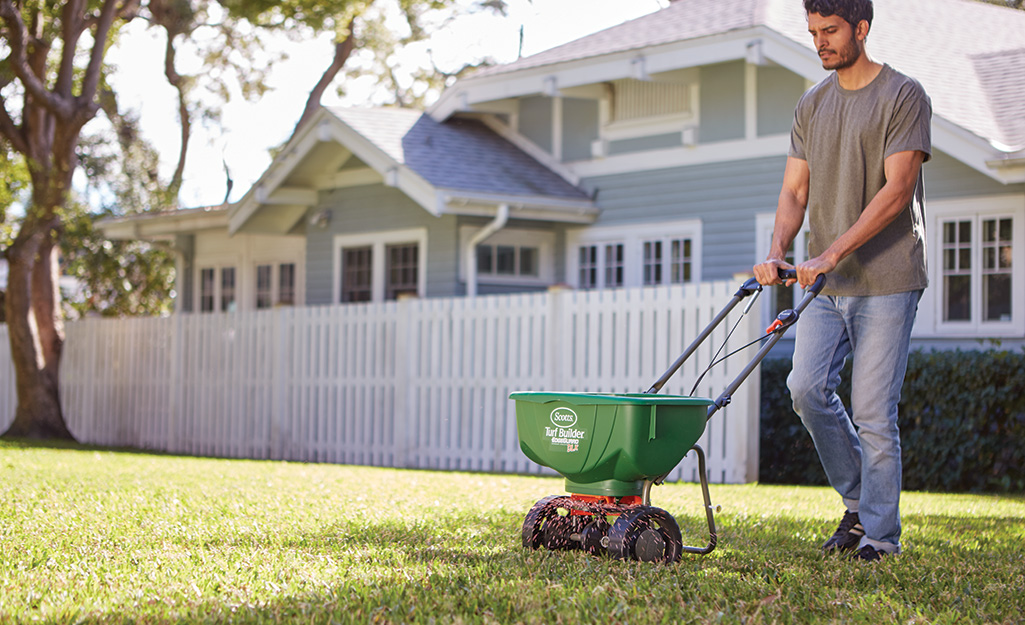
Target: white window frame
[[764, 225], [633, 237], [543, 240], [378, 241], [975, 210], [275, 263], [218, 264]]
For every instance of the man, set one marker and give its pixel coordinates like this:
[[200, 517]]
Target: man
[[857, 146]]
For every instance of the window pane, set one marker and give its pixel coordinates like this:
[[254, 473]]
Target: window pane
[[356, 274], [528, 261], [964, 259], [402, 270], [957, 298], [264, 296], [652, 262], [964, 231], [949, 232], [1005, 230], [206, 290], [1005, 257], [996, 297], [286, 284], [484, 259], [614, 265], [989, 258], [588, 266], [228, 289], [949, 259], [505, 260], [989, 231], [680, 261]]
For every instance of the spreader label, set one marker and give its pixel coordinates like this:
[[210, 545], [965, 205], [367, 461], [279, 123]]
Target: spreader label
[[563, 418], [564, 433]]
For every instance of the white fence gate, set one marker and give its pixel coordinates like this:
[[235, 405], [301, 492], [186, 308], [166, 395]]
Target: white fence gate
[[415, 383]]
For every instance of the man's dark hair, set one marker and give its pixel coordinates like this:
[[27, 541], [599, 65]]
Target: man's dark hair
[[853, 11]]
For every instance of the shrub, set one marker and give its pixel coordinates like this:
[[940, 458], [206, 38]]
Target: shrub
[[962, 420]]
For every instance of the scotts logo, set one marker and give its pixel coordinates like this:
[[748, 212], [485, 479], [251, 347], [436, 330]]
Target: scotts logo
[[564, 418]]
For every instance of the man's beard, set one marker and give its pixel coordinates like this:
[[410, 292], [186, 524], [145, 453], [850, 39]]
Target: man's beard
[[844, 57]]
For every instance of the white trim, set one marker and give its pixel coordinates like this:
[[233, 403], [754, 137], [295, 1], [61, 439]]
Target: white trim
[[751, 99], [632, 236], [723, 151], [557, 109], [377, 241], [543, 240], [930, 322]]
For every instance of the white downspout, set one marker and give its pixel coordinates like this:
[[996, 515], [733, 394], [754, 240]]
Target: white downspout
[[470, 253]]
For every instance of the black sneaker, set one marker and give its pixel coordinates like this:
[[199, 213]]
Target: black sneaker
[[868, 553], [847, 536]]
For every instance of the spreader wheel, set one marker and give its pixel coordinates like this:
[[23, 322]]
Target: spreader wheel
[[548, 524], [645, 533]]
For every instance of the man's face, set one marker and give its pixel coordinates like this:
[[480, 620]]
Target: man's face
[[835, 41]]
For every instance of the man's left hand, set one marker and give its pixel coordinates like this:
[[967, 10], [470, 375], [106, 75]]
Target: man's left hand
[[811, 269]]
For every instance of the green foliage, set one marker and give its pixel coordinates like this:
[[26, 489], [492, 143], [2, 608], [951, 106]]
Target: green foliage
[[117, 278], [962, 421], [96, 536]]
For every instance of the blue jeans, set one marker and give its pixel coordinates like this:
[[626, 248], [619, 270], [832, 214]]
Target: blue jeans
[[860, 451]]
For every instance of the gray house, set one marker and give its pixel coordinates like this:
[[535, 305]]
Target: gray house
[[649, 153]]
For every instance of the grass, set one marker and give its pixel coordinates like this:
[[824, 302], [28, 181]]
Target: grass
[[105, 536]]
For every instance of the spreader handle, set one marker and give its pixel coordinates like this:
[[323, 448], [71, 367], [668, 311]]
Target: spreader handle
[[791, 274]]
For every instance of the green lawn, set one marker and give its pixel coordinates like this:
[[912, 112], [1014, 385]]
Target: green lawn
[[89, 536]]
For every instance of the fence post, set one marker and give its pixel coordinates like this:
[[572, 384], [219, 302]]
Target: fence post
[[556, 337], [402, 423], [278, 394]]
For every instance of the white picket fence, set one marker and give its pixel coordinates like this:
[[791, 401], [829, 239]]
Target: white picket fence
[[415, 383]]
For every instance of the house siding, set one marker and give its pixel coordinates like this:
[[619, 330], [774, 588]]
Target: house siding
[[779, 89], [724, 196], [947, 177], [643, 144], [377, 208], [722, 102], [579, 128], [535, 121]]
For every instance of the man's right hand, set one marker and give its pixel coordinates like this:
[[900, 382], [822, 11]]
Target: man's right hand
[[767, 273]]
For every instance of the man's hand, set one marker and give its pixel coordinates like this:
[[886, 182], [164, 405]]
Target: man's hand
[[767, 273], [811, 269]]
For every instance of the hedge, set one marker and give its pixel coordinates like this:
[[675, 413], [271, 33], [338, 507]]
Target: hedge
[[962, 422]]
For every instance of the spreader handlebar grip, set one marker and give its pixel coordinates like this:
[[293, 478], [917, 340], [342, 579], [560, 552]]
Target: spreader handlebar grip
[[791, 274]]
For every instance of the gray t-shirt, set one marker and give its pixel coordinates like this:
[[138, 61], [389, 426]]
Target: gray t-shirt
[[845, 136]]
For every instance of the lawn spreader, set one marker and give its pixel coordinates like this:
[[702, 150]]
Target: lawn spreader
[[612, 448]]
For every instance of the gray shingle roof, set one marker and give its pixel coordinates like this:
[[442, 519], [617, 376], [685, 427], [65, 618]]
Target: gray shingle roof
[[458, 154], [967, 54]]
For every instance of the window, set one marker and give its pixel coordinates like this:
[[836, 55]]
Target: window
[[217, 289], [403, 270], [614, 265], [677, 265], [379, 266], [276, 283], [588, 267], [264, 287], [634, 255], [640, 108], [228, 289], [978, 269], [286, 284], [206, 289], [356, 271], [511, 256]]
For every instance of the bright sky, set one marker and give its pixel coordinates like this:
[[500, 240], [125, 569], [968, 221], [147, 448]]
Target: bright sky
[[248, 129]]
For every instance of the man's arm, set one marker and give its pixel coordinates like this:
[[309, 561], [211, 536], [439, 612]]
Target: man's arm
[[901, 171], [793, 200]]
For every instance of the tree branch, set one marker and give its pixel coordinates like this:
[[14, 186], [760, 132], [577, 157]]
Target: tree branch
[[10, 130], [86, 106], [72, 24], [342, 51], [17, 35], [184, 117]]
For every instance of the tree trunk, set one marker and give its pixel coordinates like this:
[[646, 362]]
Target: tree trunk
[[36, 333]]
